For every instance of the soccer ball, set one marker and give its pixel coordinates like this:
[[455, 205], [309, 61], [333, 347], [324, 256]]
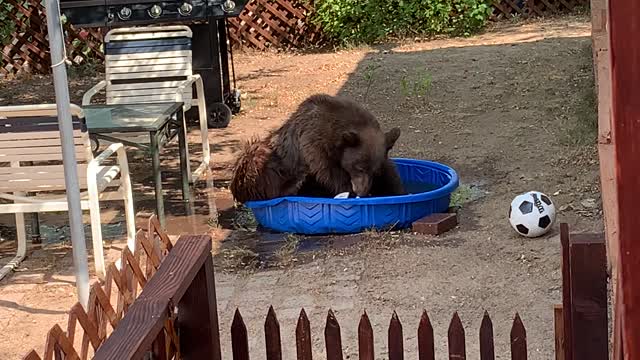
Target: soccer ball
[[532, 214]]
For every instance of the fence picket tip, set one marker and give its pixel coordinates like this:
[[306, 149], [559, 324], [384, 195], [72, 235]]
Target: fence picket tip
[[272, 312], [333, 338], [518, 325], [487, 351], [273, 343], [303, 314], [425, 317], [426, 344], [456, 337], [303, 337], [365, 338], [237, 317], [331, 315], [395, 338]]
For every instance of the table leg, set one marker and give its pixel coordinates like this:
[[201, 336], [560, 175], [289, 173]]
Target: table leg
[[182, 144], [157, 176], [36, 237]]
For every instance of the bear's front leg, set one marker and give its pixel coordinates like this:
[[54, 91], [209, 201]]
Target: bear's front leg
[[388, 181], [334, 181]]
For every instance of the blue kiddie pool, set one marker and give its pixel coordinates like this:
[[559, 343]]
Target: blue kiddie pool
[[429, 184]]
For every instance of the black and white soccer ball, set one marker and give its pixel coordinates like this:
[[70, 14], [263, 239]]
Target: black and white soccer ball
[[532, 214]]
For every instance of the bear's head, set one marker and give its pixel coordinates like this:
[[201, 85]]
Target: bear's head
[[364, 152]]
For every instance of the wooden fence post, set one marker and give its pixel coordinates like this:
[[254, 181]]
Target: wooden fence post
[[566, 291], [589, 324], [198, 317], [625, 87]]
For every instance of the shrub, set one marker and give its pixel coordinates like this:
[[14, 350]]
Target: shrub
[[6, 24], [356, 21]]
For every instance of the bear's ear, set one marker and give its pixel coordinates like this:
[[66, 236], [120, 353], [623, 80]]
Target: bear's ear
[[350, 138], [390, 137]]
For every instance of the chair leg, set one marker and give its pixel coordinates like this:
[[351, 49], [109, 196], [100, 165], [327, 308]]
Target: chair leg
[[186, 144], [22, 247], [96, 232], [204, 130], [130, 215]]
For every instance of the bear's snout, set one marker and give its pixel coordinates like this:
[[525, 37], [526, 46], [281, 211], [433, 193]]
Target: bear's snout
[[361, 184]]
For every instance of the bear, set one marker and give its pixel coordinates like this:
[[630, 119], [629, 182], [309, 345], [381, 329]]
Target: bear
[[329, 145], [386, 182]]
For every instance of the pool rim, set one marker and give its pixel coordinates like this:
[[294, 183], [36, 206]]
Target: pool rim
[[444, 190]]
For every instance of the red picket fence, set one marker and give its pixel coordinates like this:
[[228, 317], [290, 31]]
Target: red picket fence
[[333, 339], [146, 323]]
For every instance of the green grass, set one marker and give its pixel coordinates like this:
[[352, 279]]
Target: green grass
[[462, 195], [244, 219]]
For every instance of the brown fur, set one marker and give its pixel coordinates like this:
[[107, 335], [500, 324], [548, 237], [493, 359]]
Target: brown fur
[[331, 141]]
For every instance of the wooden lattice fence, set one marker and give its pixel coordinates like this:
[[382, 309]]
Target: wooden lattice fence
[[528, 8], [28, 46], [108, 304], [275, 23]]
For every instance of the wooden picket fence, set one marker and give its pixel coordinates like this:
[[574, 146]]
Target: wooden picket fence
[[108, 304], [333, 339]]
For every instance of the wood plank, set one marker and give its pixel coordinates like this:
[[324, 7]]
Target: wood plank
[[606, 149], [303, 337], [39, 150], [198, 316], [39, 169], [426, 344], [36, 135], [139, 92], [487, 351], [519, 340], [113, 64], [164, 54], [566, 291], [80, 156], [137, 330], [558, 323], [146, 85], [272, 340], [239, 339], [396, 346], [457, 350], [88, 326], [365, 338], [27, 143], [32, 355], [332, 337], [149, 75], [148, 68], [589, 297]]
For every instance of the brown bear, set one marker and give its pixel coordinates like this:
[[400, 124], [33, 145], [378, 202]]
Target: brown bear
[[329, 145]]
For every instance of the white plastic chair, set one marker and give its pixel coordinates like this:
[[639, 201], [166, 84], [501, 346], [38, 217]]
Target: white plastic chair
[[32, 177], [150, 65]]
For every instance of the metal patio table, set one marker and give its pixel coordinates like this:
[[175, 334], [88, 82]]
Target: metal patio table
[[162, 122]]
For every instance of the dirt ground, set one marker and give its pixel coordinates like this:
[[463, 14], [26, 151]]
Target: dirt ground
[[511, 110]]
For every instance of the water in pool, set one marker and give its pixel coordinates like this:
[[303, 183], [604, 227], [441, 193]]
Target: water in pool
[[419, 187]]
